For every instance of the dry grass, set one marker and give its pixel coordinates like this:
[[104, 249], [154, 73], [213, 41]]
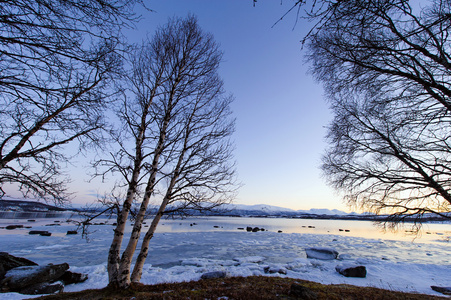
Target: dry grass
[[254, 287]]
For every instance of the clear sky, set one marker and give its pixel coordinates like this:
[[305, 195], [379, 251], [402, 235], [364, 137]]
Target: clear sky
[[280, 110]]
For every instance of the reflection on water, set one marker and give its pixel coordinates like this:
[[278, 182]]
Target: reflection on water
[[366, 229], [431, 232]]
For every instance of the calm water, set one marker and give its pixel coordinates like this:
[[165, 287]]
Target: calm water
[[367, 229], [431, 231]]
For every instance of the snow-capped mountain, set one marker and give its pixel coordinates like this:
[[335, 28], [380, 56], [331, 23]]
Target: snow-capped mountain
[[265, 208]]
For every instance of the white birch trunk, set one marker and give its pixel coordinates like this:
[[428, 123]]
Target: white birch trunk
[[126, 260]]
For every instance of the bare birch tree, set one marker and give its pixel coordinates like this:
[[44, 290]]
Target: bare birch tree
[[386, 69], [178, 111], [58, 60]]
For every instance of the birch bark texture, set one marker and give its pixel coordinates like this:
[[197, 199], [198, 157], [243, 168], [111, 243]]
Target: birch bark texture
[[179, 123]]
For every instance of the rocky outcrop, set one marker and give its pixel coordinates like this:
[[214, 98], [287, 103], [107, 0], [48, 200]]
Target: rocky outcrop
[[254, 229], [275, 269], [441, 289], [43, 288], [12, 227], [19, 278], [321, 253], [26, 277], [8, 262], [351, 270], [302, 292], [214, 274], [72, 277], [32, 232]]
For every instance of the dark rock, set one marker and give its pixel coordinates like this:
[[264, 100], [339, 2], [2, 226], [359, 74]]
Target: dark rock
[[321, 253], [347, 230], [8, 262], [11, 227], [351, 270], [215, 274], [340, 229], [71, 232], [275, 269], [240, 228], [279, 231], [262, 229], [302, 292], [31, 220], [216, 226], [441, 289], [18, 278], [56, 221], [46, 233], [37, 231], [248, 228], [72, 277], [43, 288], [311, 227], [53, 225], [255, 229]]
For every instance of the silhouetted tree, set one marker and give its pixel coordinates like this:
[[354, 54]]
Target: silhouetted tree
[[58, 60], [385, 66], [174, 145]]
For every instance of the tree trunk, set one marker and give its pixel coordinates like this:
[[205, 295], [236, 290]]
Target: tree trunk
[[137, 270], [127, 256], [114, 252]]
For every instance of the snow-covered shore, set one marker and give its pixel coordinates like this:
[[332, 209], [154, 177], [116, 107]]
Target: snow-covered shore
[[183, 256]]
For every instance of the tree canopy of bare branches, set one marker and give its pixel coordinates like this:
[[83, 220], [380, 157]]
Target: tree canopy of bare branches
[[385, 66], [174, 145], [58, 60]]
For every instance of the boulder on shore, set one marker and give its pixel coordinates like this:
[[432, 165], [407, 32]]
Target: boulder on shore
[[24, 276], [8, 262], [441, 289], [302, 292], [321, 253], [43, 288], [214, 274], [72, 277], [351, 270], [12, 227], [18, 278]]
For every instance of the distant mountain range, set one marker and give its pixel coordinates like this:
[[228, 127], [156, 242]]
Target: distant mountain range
[[236, 210], [271, 209], [27, 206]]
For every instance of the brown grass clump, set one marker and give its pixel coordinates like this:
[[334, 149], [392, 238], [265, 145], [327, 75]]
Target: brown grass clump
[[254, 287]]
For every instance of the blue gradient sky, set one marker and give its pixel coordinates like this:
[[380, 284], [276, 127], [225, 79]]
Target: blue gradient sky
[[280, 110]]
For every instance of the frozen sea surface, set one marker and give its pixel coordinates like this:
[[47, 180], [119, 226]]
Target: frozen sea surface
[[180, 252]]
